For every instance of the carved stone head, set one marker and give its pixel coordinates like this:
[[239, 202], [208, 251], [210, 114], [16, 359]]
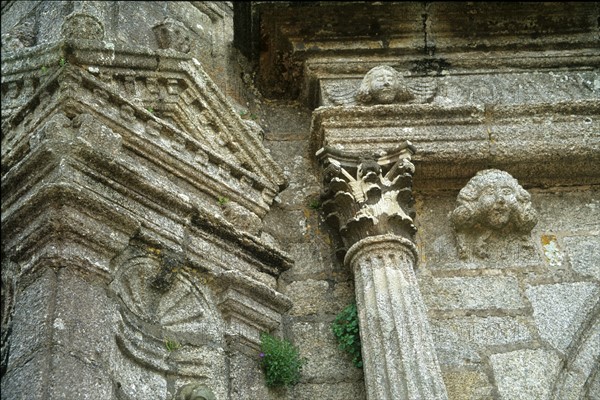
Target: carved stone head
[[382, 85], [493, 200], [172, 34]]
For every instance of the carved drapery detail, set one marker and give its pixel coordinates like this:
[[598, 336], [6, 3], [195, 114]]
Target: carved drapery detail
[[491, 208]]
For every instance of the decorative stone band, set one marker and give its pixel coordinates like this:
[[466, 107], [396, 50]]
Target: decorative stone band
[[397, 347]]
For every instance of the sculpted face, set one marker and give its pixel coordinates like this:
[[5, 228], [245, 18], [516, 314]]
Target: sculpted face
[[383, 86], [497, 204]]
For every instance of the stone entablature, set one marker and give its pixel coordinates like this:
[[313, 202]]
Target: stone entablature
[[298, 57], [539, 143], [179, 108], [128, 166]]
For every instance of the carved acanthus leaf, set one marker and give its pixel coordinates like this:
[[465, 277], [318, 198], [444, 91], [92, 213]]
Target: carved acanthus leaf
[[371, 197]]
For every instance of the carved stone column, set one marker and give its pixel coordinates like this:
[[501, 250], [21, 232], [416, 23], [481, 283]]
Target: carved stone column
[[369, 203]]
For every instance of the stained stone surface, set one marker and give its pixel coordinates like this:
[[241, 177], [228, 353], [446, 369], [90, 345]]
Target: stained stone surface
[[560, 310], [307, 296], [525, 374], [467, 385], [321, 350]]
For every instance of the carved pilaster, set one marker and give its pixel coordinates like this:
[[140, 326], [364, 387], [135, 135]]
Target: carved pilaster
[[369, 202]]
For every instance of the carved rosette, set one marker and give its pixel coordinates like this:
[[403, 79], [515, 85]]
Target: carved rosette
[[370, 197], [81, 25]]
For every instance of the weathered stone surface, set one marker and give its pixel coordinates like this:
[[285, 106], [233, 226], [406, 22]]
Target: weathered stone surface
[[328, 391], [399, 357], [578, 210], [116, 128], [489, 208], [451, 349], [525, 374], [578, 374], [27, 379], [86, 315], [296, 161], [32, 322], [473, 293], [134, 380], [76, 378], [325, 361], [467, 385], [488, 331], [307, 296], [584, 254], [560, 309]]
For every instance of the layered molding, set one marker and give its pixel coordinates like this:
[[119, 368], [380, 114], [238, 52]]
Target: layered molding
[[299, 45], [112, 155], [539, 144], [169, 100]]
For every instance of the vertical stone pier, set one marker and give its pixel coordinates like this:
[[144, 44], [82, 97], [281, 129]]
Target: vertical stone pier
[[369, 203], [398, 352]]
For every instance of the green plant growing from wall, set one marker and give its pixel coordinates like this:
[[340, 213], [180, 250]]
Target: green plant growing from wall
[[171, 345], [314, 204], [345, 329], [223, 200], [280, 361]]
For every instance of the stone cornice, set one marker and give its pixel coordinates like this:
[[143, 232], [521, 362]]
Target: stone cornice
[[102, 60], [544, 143], [82, 185], [306, 42]]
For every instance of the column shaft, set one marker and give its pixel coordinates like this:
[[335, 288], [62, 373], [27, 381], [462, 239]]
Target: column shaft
[[398, 354]]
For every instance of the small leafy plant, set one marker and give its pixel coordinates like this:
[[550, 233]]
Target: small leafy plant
[[345, 329], [314, 204], [280, 361], [171, 345], [223, 200], [44, 69], [62, 62], [150, 110]]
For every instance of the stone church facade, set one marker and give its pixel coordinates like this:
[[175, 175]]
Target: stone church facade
[[179, 178]]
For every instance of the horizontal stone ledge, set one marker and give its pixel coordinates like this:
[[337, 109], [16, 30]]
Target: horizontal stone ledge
[[539, 144]]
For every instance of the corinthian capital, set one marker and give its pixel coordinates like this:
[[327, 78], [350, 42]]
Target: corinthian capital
[[369, 195]]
